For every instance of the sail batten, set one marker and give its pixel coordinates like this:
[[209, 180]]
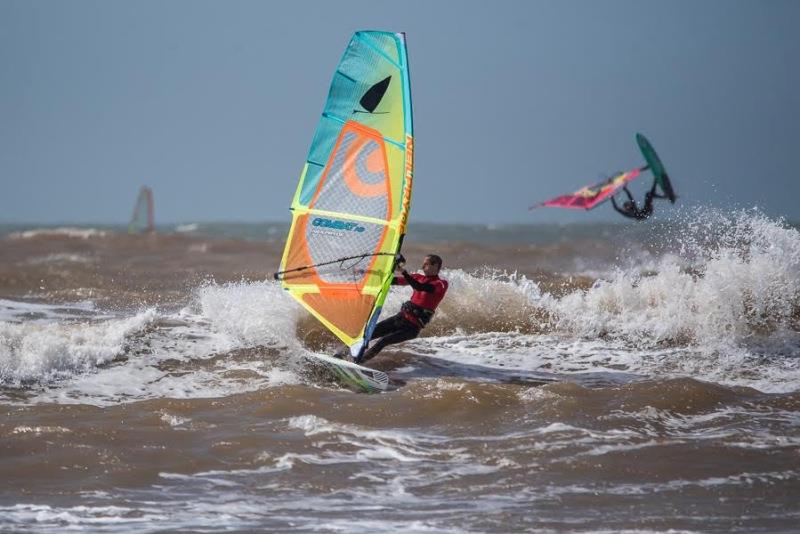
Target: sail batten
[[378, 50], [354, 192], [399, 144], [354, 217]]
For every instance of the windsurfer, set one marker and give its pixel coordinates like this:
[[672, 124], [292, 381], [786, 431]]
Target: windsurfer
[[415, 313], [629, 207]]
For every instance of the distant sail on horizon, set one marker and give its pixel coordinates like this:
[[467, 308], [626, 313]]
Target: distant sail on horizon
[[350, 209], [142, 220]]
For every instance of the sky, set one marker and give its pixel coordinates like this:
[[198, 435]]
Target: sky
[[213, 104]]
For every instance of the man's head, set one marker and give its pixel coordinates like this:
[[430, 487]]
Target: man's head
[[431, 265]]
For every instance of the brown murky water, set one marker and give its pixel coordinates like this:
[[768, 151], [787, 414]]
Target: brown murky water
[[157, 383]]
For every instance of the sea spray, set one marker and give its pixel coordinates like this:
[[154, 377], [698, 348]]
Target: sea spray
[[489, 300], [737, 278], [45, 352], [255, 313]]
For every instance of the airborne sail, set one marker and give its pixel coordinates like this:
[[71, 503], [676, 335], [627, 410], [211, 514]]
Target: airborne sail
[[350, 209], [590, 196]]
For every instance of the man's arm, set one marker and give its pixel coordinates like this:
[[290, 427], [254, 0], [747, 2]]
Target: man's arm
[[417, 286], [619, 210], [625, 188]]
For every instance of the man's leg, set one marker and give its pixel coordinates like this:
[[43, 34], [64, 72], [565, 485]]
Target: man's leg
[[381, 329], [653, 191], [387, 326], [630, 196], [404, 332]]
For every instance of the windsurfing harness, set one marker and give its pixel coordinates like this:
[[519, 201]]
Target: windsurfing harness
[[428, 293]]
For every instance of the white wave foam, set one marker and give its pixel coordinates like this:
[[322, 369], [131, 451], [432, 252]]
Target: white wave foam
[[168, 361], [174, 420], [59, 258], [252, 313], [503, 300], [79, 233], [44, 352], [729, 298], [743, 282], [745, 479], [721, 308], [80, 517], [368, 444], [772, 429], [187, 228], [512, 356], [16, 311], [39, 430], [66, 346]]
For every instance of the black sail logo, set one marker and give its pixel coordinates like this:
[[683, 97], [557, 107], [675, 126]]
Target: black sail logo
[[373, 96]]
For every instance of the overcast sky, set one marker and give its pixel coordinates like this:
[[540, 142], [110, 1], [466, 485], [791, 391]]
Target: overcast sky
[[214, 104]]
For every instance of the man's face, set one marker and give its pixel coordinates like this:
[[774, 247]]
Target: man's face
[[429, 268]]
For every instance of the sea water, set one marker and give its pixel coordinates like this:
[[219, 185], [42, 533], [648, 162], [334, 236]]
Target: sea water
[[620, 377]]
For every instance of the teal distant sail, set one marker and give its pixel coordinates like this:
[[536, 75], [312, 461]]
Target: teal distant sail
[[142, 218]]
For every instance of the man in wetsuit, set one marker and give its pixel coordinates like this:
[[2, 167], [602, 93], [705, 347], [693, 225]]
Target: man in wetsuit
[[415, 313], [630, 209]]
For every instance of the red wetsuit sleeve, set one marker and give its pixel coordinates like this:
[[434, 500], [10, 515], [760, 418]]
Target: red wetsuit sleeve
[[418, 282], [429, 299]]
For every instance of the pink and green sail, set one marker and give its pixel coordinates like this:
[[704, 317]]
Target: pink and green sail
[[593, 195], [590, 196]]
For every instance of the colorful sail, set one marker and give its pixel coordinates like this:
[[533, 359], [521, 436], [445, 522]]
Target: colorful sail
[[350, 209], [590, 196]]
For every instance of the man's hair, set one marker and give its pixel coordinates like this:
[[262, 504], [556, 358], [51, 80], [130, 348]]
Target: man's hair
[[436, 260]]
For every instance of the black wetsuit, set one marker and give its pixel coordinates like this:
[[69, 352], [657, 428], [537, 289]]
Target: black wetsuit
[[394, 329], [635, 212], [412, 317]]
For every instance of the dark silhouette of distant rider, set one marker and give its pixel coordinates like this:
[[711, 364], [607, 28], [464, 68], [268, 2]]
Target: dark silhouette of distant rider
[[631, 210]]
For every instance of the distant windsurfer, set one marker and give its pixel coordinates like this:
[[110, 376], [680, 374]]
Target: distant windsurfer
[[415, 313], [629, 207]]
